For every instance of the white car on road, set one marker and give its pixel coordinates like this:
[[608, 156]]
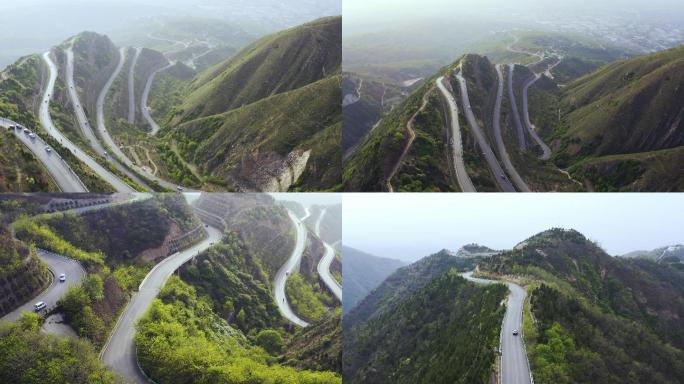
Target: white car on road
[[62, 278], [39, 306]]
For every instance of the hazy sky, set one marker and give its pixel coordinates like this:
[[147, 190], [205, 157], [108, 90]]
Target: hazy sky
[[411, 226], [33, 26], [365, 12]]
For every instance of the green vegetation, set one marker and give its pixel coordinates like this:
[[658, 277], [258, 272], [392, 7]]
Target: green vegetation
[[233, 279], [116, 235], [21, 271], [19, 169], [445, 331], [623, 120], [318, 346], [597, 317], [402, 284], [305, 300], [30, 356], [180, 340], [277, 97], [43, 236]]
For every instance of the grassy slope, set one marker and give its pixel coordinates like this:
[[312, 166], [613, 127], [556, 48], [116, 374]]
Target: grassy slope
[[274, 64], [625, 109], [305, 118]]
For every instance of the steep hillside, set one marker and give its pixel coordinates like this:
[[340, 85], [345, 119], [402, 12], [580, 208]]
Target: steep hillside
[[203, 348], [445, 331], [365, 101], [624, 126], [579, 292], [275, 64], [317, 347], [399, 285], [428, 161], [22, 273], [361, 273], [267, 119], [237, 285], [95, 57], [20, 171], [25, 350]]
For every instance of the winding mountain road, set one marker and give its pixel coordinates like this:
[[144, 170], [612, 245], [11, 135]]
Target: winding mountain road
[[323, 267], [290, 266], [494, 166], [530, 127], [46, 122], [87, 130], [146, 94], [456, 141], [119, 353], [57, 264], [59, 170], [131, 86], [515, 367], [109, 142], [501, 147]]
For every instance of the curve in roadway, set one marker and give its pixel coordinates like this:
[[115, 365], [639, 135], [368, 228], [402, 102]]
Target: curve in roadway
[[515, 367], [323, 267], [456, 141], [290, 266], [501, 147], [83, 119], [119, 352], [530, 127], [57, 264], [107, 138], [493, 163], [65, 178], [46, 122], [146, 94]]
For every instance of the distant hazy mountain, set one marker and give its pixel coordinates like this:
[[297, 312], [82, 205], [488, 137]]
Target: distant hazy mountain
[[424, 324], [671, 253], [361, 273]]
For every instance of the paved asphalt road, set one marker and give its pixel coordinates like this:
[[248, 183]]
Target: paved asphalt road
[[131, 86], [515, 366], [501, 147], [146, 93], [290, 266], [325, 262], [46, 122], [526, 113], [493, 163], [119, 352], [456, 142], [61, 173], [109, 142], [58, 265], [522, 143], [83, 122]]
